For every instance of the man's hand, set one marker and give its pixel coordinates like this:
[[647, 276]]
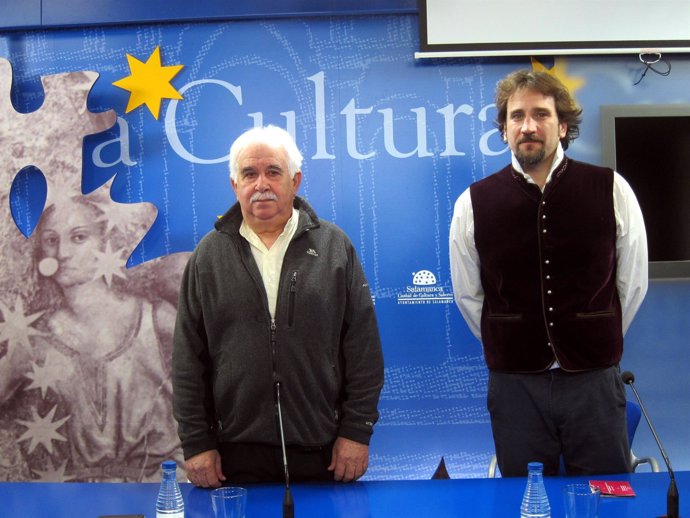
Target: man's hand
[[350, 460], [204, 469]]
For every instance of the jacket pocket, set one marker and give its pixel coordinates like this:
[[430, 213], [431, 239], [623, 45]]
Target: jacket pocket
[[291, 299], [505, 316], [595, 314]]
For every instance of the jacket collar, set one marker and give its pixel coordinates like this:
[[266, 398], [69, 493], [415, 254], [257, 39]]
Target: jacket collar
[[230, 222]]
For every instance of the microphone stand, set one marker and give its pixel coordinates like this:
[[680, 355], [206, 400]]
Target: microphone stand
[[672, 494], [288, 504]]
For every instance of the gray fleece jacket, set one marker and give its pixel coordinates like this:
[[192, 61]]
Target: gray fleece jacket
[[323, 346]]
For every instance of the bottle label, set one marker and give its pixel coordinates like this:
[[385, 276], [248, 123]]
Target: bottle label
[[174, 514]]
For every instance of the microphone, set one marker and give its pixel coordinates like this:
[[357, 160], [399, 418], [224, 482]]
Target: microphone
[[288, 504], [672, 495]]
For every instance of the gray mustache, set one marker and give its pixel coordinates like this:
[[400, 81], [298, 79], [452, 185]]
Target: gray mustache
[[263, 196]]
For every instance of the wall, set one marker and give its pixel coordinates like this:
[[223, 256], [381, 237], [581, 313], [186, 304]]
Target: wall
[[390, 143], [55, 13]]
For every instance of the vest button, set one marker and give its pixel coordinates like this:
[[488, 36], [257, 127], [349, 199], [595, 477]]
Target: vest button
[[548, 292], [543, 231], [550, 324], [546, 262]]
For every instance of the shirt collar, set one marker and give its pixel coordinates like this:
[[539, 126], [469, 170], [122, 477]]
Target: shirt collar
[[289, 229], [560, 153]]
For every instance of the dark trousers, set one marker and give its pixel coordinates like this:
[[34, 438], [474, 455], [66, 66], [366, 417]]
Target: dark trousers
[[250, 462], [542, 417]]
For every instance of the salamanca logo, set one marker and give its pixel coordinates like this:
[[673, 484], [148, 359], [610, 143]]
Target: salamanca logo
[[424, 290]]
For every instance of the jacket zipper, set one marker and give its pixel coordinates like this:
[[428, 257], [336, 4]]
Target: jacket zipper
[[273, 350], [291, 310], [291, 299]]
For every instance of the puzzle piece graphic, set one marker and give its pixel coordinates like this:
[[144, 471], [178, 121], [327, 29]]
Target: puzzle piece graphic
[[67, 298], [51, 137]]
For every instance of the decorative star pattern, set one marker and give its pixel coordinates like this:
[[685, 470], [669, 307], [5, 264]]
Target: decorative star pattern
[[116, 215], [109, 263], [16, 328], [558, 70], [53, 474], [42, 430], [149, 83], [46, 376]]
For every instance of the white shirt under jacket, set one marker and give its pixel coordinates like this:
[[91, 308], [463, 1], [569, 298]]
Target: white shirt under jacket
[[631, 252], [270, 260]]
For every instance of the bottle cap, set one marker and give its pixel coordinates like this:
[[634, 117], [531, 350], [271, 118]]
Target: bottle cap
[[169, 464]]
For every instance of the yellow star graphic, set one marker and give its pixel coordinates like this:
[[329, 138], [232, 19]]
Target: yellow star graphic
[[149, 82], [559, 71]]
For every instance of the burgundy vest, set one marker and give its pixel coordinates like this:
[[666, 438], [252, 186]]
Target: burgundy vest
[[548, 269]]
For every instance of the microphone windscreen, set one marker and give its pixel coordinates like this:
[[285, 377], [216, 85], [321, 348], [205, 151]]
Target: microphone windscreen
[[628, 377]]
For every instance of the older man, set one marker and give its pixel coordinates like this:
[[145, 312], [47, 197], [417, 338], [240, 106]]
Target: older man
[[274, 294], [549, 265]]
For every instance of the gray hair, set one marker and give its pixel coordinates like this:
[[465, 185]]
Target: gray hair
[[272, 136]]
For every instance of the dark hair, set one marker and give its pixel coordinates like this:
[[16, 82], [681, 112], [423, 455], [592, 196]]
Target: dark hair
[[567, 109]]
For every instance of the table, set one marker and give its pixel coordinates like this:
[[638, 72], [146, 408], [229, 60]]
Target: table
[[474, 498]]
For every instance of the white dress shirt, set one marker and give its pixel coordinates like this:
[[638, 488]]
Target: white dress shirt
[[631, 251], [270, 260]]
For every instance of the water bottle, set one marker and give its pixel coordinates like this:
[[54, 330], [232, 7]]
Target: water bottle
[[535, 502], [169, 503]]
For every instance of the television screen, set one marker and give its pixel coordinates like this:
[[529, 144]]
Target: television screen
[[649, 145]]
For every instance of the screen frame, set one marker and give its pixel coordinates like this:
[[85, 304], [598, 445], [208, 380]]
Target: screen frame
[[608, 115], [643, 27]]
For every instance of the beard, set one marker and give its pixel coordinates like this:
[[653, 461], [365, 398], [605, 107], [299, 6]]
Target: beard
[[527, 159]]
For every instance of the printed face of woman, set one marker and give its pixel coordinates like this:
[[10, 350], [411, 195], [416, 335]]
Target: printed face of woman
[[70, 235]]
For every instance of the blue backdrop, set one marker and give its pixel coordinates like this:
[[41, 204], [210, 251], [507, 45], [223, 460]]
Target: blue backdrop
[[389, 144]]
